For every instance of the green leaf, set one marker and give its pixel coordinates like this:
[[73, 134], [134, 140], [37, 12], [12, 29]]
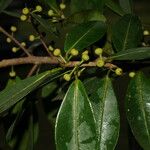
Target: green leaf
[[18, 105], [4, 4], [11, 82], [49, 89], [127, 32], [11, 129], [85, 16], [46, 24], [12, 13], [126, 5], [75, 125], [84, 35], [138, 109], [12, 95], [132, 54], [106, 113], [99, 4], [114, 7], [23, 133]]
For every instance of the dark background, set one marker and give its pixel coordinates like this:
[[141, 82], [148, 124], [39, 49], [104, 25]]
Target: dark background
[[46, 141]]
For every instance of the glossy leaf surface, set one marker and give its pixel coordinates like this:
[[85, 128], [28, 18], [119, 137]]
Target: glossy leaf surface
[[126, 33], [85, 16], [84, 35], [4, 4], [106, 111], [132, 54], [75, 124], [12, 94], [18, 105], [138, 109]]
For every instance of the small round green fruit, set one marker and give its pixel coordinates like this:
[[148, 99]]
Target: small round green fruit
[[62, 6], [23, 17], [31, 38], [74, 52], [100, 62], [12, 74], [8, 40], [85, 57], [50, 12], [38, 8], [118, 71], [146, 32], [25, 11], [131, 74], [67, 77], [57, 52], [98, 51], [14, 49], [13, 28], [23, 44]]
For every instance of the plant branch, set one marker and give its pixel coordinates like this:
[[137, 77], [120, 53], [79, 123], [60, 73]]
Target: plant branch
[[34, 67], [45, 46], [38, 60], [15, 41]]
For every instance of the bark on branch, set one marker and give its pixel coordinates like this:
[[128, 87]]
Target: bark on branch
[[38, 60]]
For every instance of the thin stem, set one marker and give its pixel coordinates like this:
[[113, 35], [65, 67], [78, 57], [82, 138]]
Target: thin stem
[[37, 60], [15, 41], [63, 59], [32, 70], [45, 46]]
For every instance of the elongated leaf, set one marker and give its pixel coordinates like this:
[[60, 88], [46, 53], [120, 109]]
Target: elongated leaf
[[18, 105], [23, 133], [114, 7], [49, 89], [126, 5], [138, 109], [106, 111], [11, 129], [132, 54], [127, 32], [84, 35], [75, 125], [85, 16], [12, 13], [44, 23], [4, 4], [11, 95]]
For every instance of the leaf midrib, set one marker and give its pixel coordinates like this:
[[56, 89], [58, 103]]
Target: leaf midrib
[[126, 35], [131, 52], [141, 99], [10, 100], [103, 102], [75, 114], [73, 46]]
